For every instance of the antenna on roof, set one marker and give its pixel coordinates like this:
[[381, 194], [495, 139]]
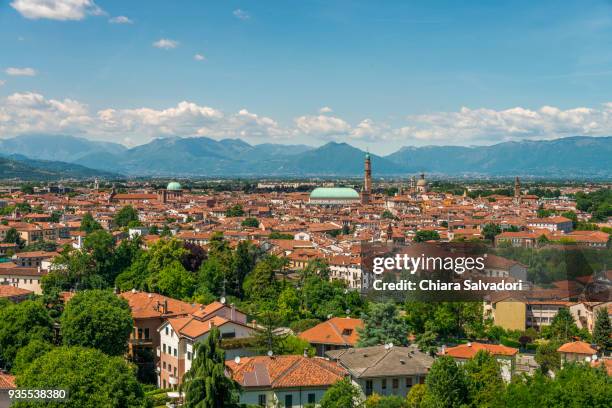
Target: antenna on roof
[[270, 353], [222, 300]]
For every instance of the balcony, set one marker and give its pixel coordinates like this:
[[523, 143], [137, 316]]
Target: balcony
[[141, 342]]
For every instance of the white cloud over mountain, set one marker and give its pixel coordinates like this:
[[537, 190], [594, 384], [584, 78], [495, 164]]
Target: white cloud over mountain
[[31, 112], [56, 9], [120, 20]]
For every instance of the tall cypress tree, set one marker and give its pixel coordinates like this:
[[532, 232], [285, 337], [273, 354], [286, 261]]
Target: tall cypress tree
[[602, 330], [205, 385]]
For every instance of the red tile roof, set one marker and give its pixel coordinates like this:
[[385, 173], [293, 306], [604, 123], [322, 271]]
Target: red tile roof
[[7, 381], [337, 330], [469, 350], [285, 371], [8, 291], [145, 305], [577, 347]]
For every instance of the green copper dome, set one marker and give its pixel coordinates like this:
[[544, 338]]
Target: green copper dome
[[173, 185], [334, 193]]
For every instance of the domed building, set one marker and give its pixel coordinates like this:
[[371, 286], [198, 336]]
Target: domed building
[[421, 185], [334, 196], [172, 192]]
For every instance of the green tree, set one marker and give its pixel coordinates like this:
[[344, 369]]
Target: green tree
[[343, 394], [547, 357], [426, 235], [562, 328], [383, 324], [91, 379], [446, 385], [388, 401], [97, 319], [89, 224], [125, 215], [489, 231], [26, 355], [12, 237], [388, 215], [261, 284], [427, 342], [205, 385], [416, 395], [602, 332], [234, 211], [173, 281], [250, 222], [485, 383], [20, 324]]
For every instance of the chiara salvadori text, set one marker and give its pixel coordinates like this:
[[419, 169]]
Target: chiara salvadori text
[[437, 285]]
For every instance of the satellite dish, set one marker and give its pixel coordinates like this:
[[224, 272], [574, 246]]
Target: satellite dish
[[391, 345], [588, 359], [386, 346], [594, 358], [348, 312], [237, 359], [329, 316], [270, 353], [222, 299]]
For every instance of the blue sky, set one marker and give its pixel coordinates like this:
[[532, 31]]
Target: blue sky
[[376, 74]]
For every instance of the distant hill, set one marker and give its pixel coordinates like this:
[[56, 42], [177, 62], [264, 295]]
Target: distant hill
[[57, 147], [571, 157], [22, 168], [567, 157]]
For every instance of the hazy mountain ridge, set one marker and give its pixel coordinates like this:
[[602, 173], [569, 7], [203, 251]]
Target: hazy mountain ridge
[[24, 168], [201, 156]]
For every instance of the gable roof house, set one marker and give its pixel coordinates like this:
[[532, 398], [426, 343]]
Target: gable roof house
[[287, 381], [384, 370]]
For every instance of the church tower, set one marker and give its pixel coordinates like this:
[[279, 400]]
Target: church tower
[[517, 190], [367, 180]]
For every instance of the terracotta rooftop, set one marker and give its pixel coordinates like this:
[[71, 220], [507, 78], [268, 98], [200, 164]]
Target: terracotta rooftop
[[285, 371], [577, 347], [7, 381], [469, 350], [337, 331], [146, 305], [7, 291]]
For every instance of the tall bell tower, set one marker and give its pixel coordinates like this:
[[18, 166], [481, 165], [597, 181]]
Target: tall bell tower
[[367, 180]]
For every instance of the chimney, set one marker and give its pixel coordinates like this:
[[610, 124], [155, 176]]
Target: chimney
[[305, 352], [166, 306], [469, 344], [232, 312]]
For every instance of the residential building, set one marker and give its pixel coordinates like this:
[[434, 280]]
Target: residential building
[[576, 351], [505, 356], [384, 370], [555, 223], [333, 334], [284, 381]]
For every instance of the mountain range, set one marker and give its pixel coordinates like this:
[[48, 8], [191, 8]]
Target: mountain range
[[24, 168], [570, 157]]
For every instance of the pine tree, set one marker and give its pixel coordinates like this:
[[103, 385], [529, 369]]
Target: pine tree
[[383, 324], [602, 330], [205, 385]]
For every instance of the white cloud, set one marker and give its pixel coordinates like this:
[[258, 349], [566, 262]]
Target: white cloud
[[2, 82], [120, 20], [165, 43], [325, 109], [56, 9], [20, 71], [241, 14], [31, 112], [322, 126], [199, 57]]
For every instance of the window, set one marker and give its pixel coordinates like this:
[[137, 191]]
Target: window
[[422, 380], [311, 398], [369, 387], [164, 348], [189, 355], [262, 400], [175, 353], [146, 334], [395, 383], [166, 330], [408, 382], [139, 333], [164, 365], [288, 401], [384, 384], [175, 371], [164, 383], [228, 335]]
